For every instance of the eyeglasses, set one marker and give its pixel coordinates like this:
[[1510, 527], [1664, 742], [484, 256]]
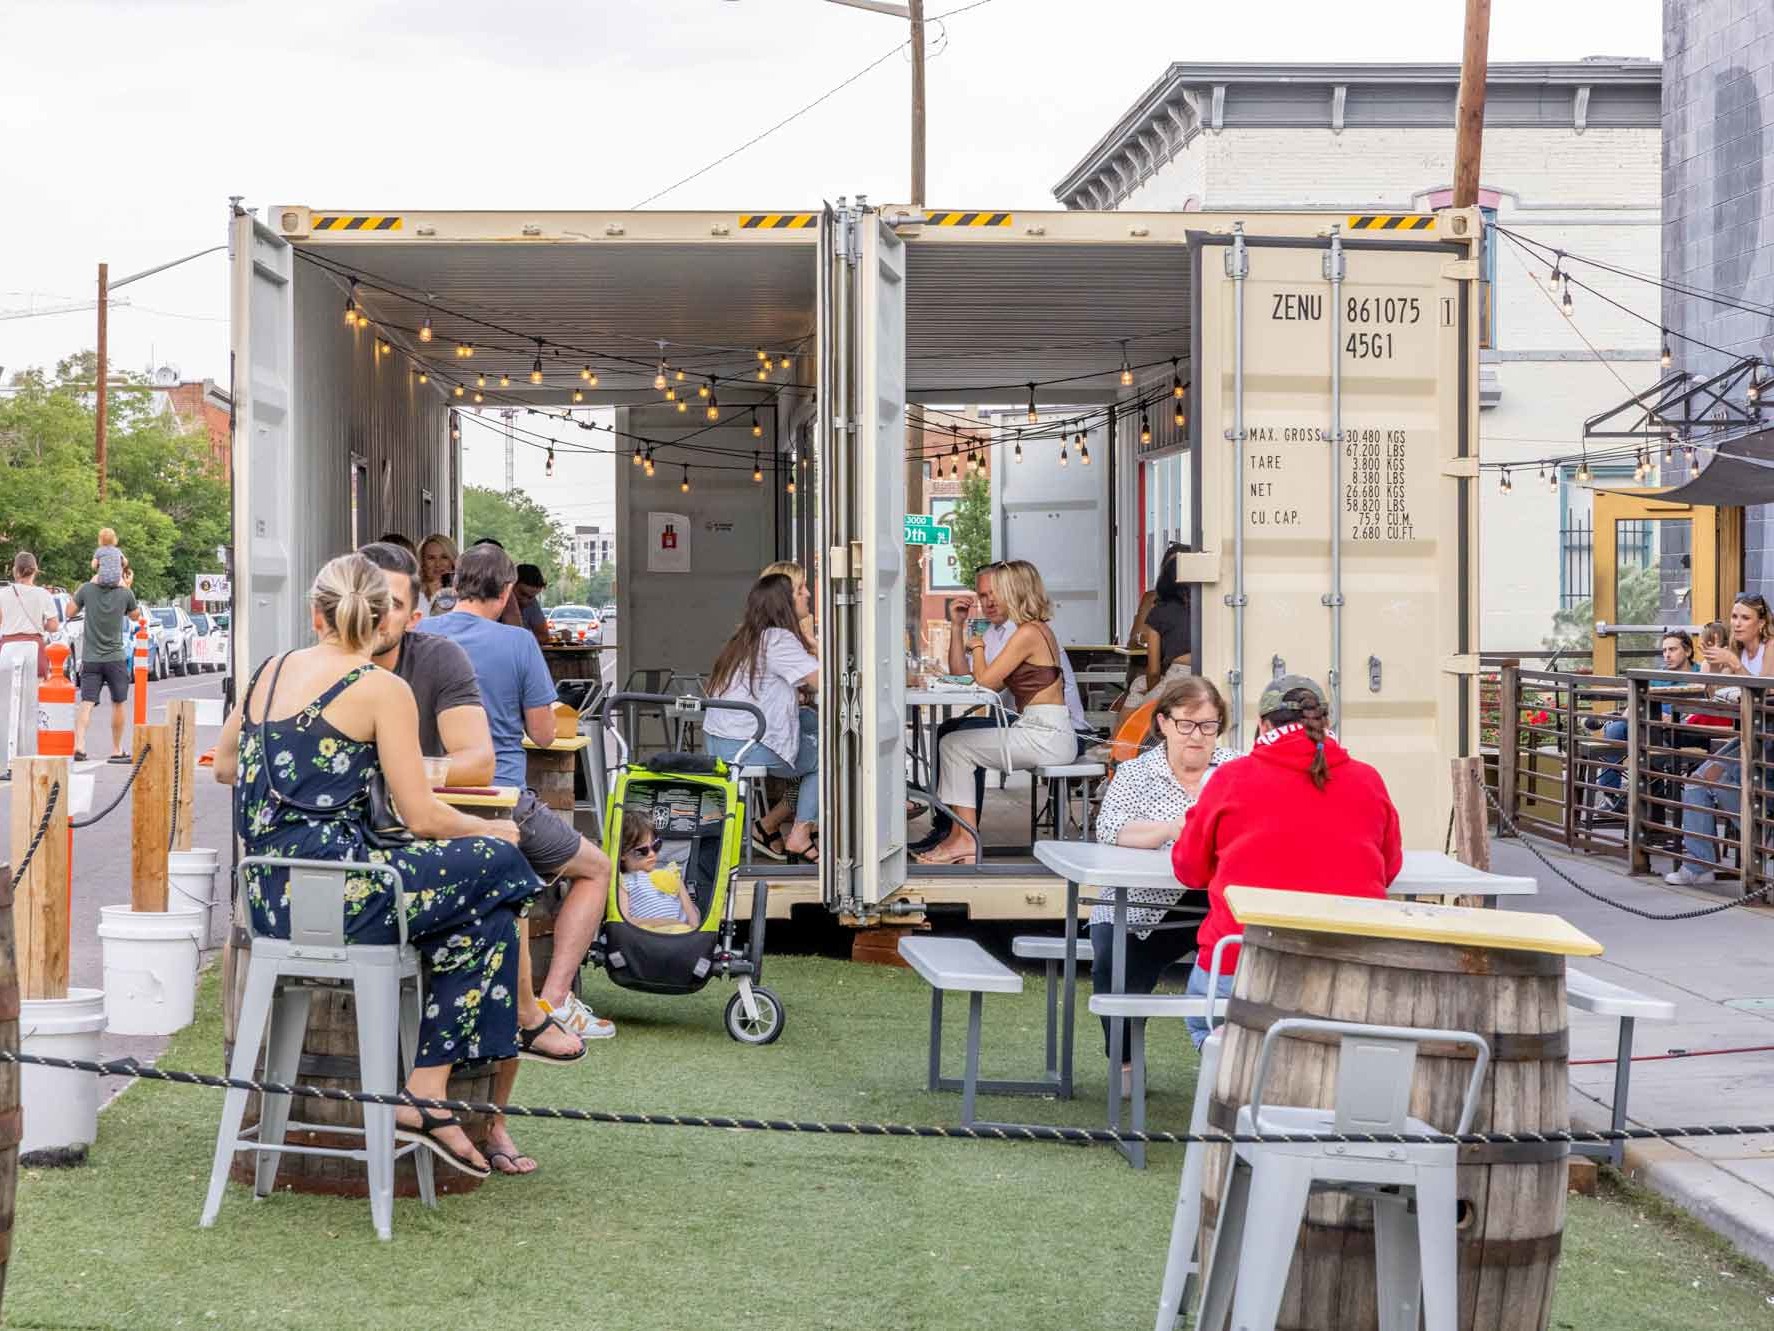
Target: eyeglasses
[[1207, 728], [652, 847]]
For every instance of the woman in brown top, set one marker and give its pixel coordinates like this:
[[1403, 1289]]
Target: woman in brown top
[[1029, 667]]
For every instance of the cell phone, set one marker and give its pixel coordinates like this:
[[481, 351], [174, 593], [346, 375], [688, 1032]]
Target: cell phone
[[976, 628]]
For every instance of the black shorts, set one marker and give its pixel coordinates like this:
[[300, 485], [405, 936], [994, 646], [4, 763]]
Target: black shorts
[[95, 675]]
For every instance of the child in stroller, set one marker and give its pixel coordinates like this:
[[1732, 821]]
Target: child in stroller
[[649, 896]]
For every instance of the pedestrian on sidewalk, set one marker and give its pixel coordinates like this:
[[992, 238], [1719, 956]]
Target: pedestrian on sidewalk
[[27, 618], [104, 659]]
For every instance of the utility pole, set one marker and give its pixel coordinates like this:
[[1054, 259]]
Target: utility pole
[[99, 441], [508, 415], [1469, 117], [916, 8]]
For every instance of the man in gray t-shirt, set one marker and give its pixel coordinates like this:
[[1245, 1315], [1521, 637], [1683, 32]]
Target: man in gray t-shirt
[[104, 660]]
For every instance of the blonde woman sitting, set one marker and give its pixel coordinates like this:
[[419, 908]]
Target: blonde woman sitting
[[1029, 666]]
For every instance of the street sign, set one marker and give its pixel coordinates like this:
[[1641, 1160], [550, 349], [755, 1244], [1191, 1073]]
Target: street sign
[[212, 587], [923, 529]]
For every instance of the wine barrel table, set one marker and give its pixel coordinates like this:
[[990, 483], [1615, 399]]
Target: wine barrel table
[[1499, 974], [11, 1120], [565, 663]]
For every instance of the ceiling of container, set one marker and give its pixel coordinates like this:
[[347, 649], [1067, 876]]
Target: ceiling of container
[[983, 316], [606, 305]]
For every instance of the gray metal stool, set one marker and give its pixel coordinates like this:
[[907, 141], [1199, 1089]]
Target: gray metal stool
[[1060, 779], [1412, 1187], [281, 976]]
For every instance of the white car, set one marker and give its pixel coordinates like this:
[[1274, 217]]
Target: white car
[[178, 654], [575, 625]]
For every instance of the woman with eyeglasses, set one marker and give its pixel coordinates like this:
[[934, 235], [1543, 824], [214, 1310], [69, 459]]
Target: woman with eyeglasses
[[1715, 789], [1146, 806]]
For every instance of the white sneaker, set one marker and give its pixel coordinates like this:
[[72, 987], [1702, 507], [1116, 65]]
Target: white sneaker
[[578, 1017], [1686, 877]]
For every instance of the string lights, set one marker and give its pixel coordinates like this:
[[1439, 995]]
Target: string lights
[[1083, 452], [536, 365], [1503, 484], [757, 470], [714, 407], [757, 427], [548, 466], [1034, 416], [1126, 368], [425, 330], [684, 485], [351, 305]]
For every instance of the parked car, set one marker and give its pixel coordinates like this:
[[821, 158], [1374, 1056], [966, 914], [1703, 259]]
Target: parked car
[[575, 624], [608, 612], [212, 641], [177, 654], [72, 631]]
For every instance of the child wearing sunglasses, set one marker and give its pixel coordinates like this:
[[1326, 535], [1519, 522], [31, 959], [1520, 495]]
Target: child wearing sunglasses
[[647, 895]]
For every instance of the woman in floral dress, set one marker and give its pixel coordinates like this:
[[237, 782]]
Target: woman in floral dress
[[310, 733]]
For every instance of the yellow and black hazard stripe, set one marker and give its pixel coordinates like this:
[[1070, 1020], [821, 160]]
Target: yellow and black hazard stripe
[[1392, 222], [777, 221], [966, 219], [355, 222]]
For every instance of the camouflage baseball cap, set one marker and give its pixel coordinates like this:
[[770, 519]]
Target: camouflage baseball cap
[[1275, 693]]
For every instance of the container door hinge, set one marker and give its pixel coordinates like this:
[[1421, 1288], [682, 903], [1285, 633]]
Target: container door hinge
[[1460, 270], [1466, 468], [1373, 674], [1334, 600]]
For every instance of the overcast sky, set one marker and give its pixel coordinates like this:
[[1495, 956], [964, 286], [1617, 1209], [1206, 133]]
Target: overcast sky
[[130, 122]]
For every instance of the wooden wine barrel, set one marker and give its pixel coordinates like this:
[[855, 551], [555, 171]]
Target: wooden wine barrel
[[329, 1059], [11, 1120], [1511, 1198]]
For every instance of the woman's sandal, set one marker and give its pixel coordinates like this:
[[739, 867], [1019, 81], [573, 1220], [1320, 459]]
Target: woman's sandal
[[767, 844], [511, 1158], [945, 857], [526, 1044], [425, 1135]]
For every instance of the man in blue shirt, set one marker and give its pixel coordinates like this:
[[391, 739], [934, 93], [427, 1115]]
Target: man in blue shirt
[[519, 695]]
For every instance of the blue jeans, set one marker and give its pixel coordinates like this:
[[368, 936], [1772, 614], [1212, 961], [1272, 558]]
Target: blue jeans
[[1197, 988], [1702, 806], [1613, 775], [802, 769]]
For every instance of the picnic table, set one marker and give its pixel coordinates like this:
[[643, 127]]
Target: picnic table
[[1119, 869]]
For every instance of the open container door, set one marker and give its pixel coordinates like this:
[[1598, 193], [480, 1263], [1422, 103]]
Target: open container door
[[1334, 441], [862, 621], [262, 317]]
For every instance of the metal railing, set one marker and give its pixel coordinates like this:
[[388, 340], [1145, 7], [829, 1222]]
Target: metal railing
[[1643, 763]]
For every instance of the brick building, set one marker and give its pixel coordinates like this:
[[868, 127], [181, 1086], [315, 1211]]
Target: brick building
[[1570, 160], [203, 404]]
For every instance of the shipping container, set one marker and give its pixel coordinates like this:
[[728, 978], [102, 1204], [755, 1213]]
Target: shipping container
[[1358, 560]]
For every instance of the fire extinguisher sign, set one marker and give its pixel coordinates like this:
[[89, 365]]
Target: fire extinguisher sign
[[668, 543]]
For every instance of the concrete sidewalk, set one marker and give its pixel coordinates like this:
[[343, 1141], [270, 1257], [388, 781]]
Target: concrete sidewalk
[[1719, 973]]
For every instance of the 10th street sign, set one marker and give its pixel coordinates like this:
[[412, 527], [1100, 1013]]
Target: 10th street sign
[[923, 529]]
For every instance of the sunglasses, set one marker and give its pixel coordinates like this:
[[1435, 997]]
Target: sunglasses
[[1750, 598], [652, 847]]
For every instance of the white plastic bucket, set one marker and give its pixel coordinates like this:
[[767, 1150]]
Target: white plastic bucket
[[191, 885], [150, 968], [210, 712], [80, 788], [61, 1109]]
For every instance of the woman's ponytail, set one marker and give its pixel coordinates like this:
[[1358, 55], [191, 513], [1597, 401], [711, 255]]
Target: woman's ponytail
[[352, 596]]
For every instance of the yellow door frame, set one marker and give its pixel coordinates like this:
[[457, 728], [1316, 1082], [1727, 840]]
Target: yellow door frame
[[1715, 558]]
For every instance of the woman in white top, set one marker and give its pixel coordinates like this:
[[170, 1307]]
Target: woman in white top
[[437, 566], [1145, 806], [1714, 790], [765, 662], [27, 618]]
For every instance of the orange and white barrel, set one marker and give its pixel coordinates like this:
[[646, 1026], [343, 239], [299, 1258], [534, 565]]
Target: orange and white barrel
[[55, 707], [141, 665]]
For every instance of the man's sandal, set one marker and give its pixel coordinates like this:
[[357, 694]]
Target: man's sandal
[[526, 1044], [424, 1135]]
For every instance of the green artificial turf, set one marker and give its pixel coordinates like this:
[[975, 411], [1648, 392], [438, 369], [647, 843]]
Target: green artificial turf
[[642, 1228]]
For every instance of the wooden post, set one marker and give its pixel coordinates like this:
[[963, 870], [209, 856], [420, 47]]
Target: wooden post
[[151, 818], [1508, 741], [1568, 727], [1637, 762], [1472, 840], [1469, 115], [181, 716], [40, 900], [1748, 751]]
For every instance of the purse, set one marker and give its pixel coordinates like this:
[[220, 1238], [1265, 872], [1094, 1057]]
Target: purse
[[383, 828]]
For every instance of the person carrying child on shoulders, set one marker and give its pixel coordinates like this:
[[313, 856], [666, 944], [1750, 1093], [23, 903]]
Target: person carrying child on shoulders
[[647, 895], [108, 562]]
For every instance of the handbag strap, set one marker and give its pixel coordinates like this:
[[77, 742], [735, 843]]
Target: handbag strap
[[19, 596], [263, 728]]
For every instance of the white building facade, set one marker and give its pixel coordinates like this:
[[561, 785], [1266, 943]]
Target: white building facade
[[591, 549], [1571, 161]]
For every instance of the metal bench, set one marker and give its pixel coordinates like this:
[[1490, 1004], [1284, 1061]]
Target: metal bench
[[1050, 950], [1136, 1010], [1590, 993], [959, 965]]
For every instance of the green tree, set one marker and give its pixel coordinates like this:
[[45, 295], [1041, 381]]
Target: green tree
[[1640, 593], [528, 532], [971, 525], [165, 499]]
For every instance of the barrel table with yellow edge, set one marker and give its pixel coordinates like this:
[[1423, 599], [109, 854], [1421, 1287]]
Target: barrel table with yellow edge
[[329, 1060], [1500, 974]]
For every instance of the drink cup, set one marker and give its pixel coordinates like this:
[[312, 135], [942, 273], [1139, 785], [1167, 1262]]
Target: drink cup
[[437, 772]]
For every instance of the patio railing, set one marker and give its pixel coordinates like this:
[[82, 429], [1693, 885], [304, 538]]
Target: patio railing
[[1647, 762]]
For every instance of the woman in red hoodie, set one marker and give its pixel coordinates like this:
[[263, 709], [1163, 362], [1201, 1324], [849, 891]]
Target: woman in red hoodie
[[1299, 813]]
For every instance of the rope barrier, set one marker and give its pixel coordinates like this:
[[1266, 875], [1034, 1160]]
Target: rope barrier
[[1508, 828], [24, 865], [178, 762], [1033, 1132], [92, 818]]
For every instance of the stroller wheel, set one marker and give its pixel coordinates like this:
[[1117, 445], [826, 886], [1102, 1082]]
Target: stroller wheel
[[769, 1021]]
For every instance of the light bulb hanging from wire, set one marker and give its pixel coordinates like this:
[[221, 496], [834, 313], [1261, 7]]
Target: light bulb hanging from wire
[[703, 390], [1019, 445], [589, 375], [1176, 379], [1034, 416], [424, 378], [790, 487], [1584, 475], [1145, 429], [714, 408], [458, 390], [465, 350], [351, 305], [671, 394], [1565, 300], [659, 377], [480, 381], [479, 396], [1552, 481], [763, 356], [684, 485], [764, 372], [635, 457], [757, 427], [1126, 368], [548, 466], [1083, 451], [647, 463], [1668, 356], [757, 470], [536, 365], [678, 375], [683, 405], [504, 380], [1062, 451], [1503, 485], [425, 329], [578, 395]]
